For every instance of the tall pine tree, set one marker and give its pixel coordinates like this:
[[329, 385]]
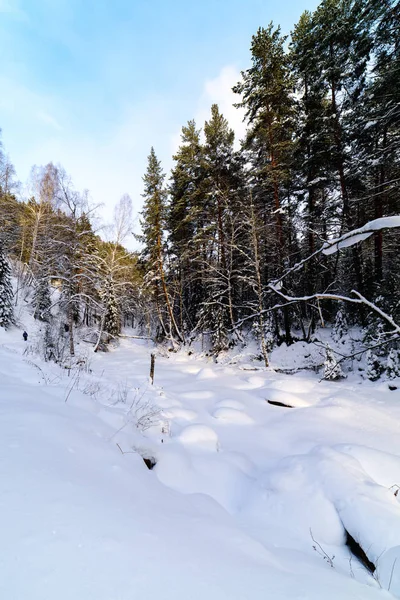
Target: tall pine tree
[[266, 94], [153, 226]]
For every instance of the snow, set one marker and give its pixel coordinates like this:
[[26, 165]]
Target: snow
[[388, 571], [316, 181], [232, 415], [246, 500], [199, 436]]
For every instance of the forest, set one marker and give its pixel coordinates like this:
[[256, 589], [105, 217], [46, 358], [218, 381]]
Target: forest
[[261, 241]]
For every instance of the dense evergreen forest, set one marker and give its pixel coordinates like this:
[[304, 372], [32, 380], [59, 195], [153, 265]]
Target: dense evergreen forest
[[231, 238]]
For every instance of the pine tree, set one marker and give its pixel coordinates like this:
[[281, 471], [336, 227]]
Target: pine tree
[[342, 49], [378, 140], [153, 226], [266, 93], [313, 177], [216, 239], [6, 292], [185, 189], [184, 223]]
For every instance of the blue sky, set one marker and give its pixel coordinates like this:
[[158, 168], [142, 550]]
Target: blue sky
[[92, 84]]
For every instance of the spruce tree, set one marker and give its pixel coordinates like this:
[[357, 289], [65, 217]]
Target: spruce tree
[[6, 292]]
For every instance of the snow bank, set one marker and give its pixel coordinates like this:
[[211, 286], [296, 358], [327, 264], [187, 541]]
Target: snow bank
[[229, 512]]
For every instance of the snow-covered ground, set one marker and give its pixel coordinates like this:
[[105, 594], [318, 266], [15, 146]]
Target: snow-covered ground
[[247, 500]]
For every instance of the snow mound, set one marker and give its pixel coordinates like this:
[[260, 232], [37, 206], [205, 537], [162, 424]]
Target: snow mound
[[368, 511], [206, 373], [181, 414], [199, 436], [383, 467], [234, 416], [293, 384], [255, 381], [230, 404], [224, 481]]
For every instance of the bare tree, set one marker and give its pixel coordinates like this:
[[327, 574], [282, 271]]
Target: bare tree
[[113, 264]]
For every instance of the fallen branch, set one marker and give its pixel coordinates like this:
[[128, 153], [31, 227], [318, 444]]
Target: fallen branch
[[359, 300], [344, 241]]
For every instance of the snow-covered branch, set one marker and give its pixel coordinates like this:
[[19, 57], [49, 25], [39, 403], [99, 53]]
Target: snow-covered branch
[[344, 241], [360, 234]]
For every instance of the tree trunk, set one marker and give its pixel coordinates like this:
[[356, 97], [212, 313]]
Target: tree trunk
[[378, 205], [71, 331], [165, 291], [102, 323], [259, 283]]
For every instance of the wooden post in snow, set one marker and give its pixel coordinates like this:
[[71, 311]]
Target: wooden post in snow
[[152, 364]]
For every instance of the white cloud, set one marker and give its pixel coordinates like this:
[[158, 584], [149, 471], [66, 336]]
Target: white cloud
[[40, 128], [109, 165], [219, 91], [43, 128]]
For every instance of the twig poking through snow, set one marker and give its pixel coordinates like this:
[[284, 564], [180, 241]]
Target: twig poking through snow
[[391, 574], [319, 550]]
